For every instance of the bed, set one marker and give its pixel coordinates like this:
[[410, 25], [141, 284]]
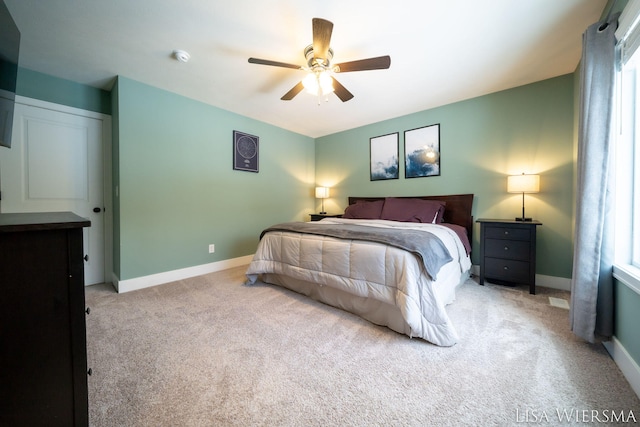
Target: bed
[[394, 261]]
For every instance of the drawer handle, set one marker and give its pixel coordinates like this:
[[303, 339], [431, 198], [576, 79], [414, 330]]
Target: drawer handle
[[506, 248], [506, 233], [505, 268]]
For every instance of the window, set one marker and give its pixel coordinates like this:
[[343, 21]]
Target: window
[[627, 155], [628, 165]]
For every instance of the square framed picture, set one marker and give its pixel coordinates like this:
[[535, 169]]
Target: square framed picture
[[383, 152], [422, 152], [245, 151]]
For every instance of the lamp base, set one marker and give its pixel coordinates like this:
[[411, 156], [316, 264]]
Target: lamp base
[[524, 219]]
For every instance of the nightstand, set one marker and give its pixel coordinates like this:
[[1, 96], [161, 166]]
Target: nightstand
[[318, 217], [508, 251]]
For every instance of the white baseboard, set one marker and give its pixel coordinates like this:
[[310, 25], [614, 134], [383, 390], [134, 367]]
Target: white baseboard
[[172, 276], [625, 362], [553, 282], [198, 270]]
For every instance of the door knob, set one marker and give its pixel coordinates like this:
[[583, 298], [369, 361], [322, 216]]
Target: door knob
[[86, 257], [97, 210]]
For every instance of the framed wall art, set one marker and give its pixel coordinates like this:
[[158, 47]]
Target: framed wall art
[[384, 157], [422, 152], [245, 151]]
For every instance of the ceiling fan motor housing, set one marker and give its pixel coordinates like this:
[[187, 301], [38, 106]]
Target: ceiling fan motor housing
[[314, 62]]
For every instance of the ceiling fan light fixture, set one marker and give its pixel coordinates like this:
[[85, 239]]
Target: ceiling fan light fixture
[[326, 82], [318, 83]]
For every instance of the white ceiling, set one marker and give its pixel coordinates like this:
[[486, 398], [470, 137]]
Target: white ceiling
[[442, 51]]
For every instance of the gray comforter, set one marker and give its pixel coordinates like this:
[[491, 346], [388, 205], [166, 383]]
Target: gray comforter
[[424, 244]]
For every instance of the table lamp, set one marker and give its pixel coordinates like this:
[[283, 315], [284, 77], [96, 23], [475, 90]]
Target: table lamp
[[523, 184], [322, 193]]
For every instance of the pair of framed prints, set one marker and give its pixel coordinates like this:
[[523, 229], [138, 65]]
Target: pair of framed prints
[[421, 154]]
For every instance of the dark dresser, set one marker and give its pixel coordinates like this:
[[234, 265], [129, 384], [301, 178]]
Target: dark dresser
[[508, 251], [43, 354]]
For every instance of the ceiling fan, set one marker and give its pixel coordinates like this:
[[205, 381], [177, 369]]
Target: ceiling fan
[[319, 80]]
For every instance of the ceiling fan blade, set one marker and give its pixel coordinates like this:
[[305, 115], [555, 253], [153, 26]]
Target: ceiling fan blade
[[321, 37], [293, 92], [274, 63], [341, 91], [379, 63]]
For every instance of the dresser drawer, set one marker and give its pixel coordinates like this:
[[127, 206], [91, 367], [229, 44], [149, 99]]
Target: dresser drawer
[[507, 249], [509, 270], [512, 233]]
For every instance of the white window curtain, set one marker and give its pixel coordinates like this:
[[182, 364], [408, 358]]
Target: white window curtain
[[591, 313]]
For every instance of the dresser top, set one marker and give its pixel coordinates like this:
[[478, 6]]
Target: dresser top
[[32, 221]]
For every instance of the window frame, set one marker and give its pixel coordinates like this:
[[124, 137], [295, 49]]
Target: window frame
[[627, 151]]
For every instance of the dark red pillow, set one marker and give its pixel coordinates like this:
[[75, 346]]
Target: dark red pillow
[[364, 210], [413, 210]]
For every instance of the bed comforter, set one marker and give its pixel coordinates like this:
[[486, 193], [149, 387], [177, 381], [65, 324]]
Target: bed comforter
[[372, 270]]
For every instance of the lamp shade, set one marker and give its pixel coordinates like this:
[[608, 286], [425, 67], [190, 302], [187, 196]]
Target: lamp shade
[[523, 183], [322, 192]]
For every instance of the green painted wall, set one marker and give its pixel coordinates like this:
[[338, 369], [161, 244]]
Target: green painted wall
[[177, 190], [627, 319], [33, 84], [525, 129]]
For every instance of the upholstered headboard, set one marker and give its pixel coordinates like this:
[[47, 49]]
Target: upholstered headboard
[[458, 209]]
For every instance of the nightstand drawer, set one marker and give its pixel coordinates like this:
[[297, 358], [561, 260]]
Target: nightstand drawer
[[509, 270], [508, 249], [512, 233]]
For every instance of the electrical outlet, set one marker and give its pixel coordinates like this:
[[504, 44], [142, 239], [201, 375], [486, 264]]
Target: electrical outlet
[[212, 248]]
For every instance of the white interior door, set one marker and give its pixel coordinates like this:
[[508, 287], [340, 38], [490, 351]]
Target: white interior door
[[56, 164]]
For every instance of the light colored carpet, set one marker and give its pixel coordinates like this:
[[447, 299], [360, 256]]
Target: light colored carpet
[[210, 351]]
